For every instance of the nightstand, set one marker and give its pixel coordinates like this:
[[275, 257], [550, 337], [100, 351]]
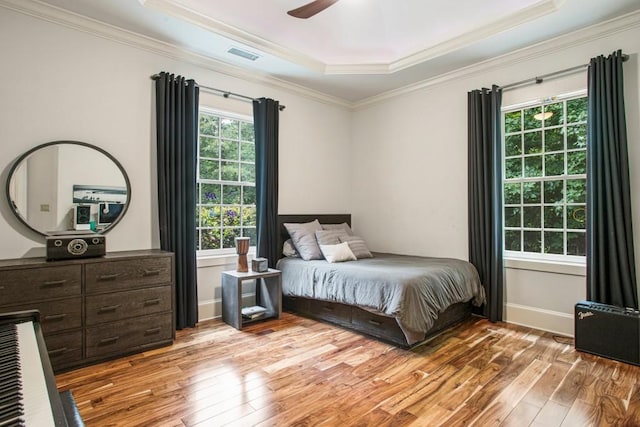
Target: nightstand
[[270, 295]]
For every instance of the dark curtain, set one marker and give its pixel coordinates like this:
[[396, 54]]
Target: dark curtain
[[177, 129], [485, 195], [611, 274], [265, 122]]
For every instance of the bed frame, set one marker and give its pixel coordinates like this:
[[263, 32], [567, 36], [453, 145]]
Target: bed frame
[[363, 321]]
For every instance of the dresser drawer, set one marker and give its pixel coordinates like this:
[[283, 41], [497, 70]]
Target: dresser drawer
[[33, 284], [332, 312], [55, 315], [127, 274], [64, 349], [128, 335], [121, 305]]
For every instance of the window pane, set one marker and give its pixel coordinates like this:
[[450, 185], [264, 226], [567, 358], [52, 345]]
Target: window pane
[[513, 145], [533, 166], [231, 216], [576, 243], [230, 171], [532, 217], [229, 128], [248, 152], [530, 122], [577, 110], [576, 136], [210, 239], [532, 241], [249, 195], [251, 233], [557, 114], [209, 216], [231, 195], [554, 164], [512, 217], [229, 237], [513, 168], [208, 125], [249, 215], [576, 162], [576, 191], [513, 122], [553, 216], [530, 192], [554, 242], [247, 172], [533, 142], [246, 131], [209, 169], [553, 140], [230, 150], [512, 240], [576, 217], [553, 191], [209, 194], [209, 147]]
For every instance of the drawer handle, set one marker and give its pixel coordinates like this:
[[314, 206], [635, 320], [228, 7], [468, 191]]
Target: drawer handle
[[107, 341], [106, 277], [375, 322], [57, 351], [55, 317], [108, 309], [1, 288], [327, 308], [154, 301], [53, 283], [151, 273], [152, 331]]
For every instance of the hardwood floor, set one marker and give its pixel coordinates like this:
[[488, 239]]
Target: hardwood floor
[[300, 372]]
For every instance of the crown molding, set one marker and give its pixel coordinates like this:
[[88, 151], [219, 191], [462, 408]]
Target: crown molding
[[538, 50], [56, 15]]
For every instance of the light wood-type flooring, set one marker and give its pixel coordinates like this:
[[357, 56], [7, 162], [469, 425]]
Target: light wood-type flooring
[[299, 372]]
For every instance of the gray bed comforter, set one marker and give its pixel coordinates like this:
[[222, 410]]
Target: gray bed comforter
[[412, 289]]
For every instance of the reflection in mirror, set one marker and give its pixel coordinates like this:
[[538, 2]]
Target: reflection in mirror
[[66, 185]]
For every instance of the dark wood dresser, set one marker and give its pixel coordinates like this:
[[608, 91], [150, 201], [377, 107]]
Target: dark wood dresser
[[95, 309]]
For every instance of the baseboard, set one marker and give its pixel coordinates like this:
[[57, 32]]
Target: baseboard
[[545, 320], [212, 309]]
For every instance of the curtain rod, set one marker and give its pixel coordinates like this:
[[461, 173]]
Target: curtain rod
[[539, 79], [224, 93]]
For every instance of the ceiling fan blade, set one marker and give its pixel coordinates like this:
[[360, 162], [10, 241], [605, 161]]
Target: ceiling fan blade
[[310, 9]]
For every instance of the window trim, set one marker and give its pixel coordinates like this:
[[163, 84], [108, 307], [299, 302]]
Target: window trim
[[204, 254], [534, 257]]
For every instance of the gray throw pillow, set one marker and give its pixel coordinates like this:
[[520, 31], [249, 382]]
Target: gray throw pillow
[[330, 237], [344, 227], [304, 239], [288, 250], [358, 246]]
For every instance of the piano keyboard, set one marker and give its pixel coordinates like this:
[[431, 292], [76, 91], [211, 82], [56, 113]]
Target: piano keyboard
[[21, 375]]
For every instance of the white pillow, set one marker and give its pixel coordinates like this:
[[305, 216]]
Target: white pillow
[[337, 253]]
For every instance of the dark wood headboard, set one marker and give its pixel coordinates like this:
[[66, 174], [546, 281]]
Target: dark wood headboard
[[324, 219]]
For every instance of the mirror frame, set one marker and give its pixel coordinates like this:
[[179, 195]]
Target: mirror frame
[[19, 160]]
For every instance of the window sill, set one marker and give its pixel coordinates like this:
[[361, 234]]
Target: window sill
[[557, 267], [220, 259]]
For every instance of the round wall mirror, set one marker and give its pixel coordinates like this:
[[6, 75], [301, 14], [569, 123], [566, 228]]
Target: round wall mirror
[[68, 186]]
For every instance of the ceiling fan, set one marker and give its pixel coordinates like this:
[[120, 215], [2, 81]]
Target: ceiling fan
[[310, 9]]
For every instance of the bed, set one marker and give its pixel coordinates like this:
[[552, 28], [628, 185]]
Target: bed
[[404, 300]]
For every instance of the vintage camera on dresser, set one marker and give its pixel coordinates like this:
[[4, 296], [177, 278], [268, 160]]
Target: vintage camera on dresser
[[70, 246]]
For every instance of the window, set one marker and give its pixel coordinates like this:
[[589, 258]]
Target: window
[[545, 178], [226, 206]]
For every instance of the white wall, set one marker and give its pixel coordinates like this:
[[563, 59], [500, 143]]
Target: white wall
[[63, 84], [410, 166]]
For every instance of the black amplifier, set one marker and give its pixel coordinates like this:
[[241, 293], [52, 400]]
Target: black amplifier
[[608, 331], [71, 246]]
